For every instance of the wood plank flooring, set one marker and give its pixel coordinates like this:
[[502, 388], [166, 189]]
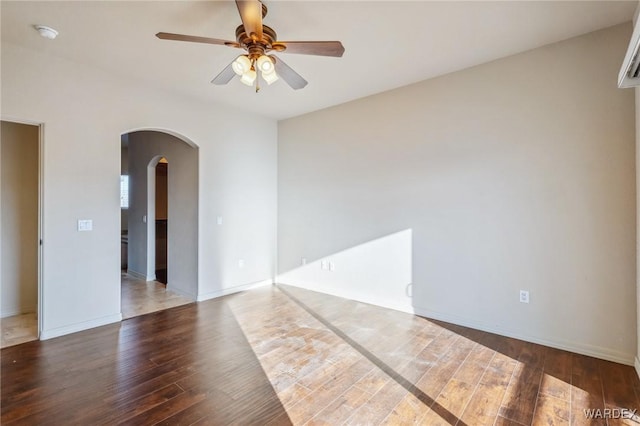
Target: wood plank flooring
[[283, 355]]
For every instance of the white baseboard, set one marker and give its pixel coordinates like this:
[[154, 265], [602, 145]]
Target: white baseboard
[[141, 276], [637, 365], [74, 328], [231, 290], [580, 348], [181, 292], [18, 311]]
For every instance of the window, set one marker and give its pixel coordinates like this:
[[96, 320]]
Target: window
[[124, 191]]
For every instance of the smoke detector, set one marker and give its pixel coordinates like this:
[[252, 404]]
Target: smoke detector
[[46, 32]]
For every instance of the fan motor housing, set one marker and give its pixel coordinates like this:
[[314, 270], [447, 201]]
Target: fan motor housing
[[256, 48]]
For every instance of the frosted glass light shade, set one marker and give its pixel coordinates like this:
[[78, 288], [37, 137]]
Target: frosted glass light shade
[[248, 77], [241, 65], [265, 64], [271, 77]]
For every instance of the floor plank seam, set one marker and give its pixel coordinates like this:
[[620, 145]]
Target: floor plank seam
[[435, 400], [475, 389], [535, 406], [502, 402]]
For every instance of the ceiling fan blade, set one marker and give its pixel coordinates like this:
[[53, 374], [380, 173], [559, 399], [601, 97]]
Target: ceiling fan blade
[[196, 39], [319, 48], [251, 15], [287, 73], [225, 76]]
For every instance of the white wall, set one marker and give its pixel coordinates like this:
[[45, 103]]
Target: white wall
[[516, 174], [378, 271], [84, 112], [183, 209], [19, 156]]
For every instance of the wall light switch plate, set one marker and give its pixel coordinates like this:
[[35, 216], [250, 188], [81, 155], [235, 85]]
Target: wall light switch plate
[[524, 296], [240, 263], [85, 225], [332, 266], [219, 220]]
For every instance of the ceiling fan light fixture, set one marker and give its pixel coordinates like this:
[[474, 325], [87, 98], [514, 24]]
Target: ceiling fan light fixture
[[241, 65], [257, 39], [265, 64], [249, 77]]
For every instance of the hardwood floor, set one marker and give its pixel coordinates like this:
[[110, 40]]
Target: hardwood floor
[[282, 355]]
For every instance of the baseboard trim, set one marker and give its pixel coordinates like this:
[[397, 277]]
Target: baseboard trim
[[139, 276], [637, 365], [594, 351], [19, 311], [231, 290], [589, 350], [181, 292], [81, 326]]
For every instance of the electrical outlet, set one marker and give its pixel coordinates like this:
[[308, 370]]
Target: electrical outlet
[[332, 266], [524, 296], [323, 265]]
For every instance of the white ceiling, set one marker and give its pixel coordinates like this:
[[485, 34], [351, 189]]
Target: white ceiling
[[388, 43]]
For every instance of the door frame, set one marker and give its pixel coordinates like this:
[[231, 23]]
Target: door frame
[[41, 189]]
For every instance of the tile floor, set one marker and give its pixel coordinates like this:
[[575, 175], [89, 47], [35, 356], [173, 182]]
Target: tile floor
[[19, 329], [142, 297]]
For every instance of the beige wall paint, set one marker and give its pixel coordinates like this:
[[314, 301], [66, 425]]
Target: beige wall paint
[[85, 111], [19, 156], [516, 174]]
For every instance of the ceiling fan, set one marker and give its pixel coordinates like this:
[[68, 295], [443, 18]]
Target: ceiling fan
[[259, 41]]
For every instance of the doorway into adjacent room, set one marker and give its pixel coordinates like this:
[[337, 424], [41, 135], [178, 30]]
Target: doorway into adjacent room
[[159, 224], [20, 148], [162, 219]]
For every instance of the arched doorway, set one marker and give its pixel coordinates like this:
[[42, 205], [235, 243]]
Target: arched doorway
[[160, 223]]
